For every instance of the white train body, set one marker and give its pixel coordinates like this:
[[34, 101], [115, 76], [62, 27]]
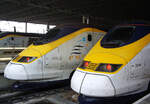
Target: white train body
[[53, 60], [128, 66]]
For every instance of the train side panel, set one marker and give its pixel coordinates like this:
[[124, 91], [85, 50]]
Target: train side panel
[[58, 64]]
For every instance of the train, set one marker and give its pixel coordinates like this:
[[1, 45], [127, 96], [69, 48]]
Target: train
[[118, 64], [12, 43], [53, 57]]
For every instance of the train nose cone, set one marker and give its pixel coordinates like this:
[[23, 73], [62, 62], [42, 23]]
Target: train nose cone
[[15, 72], [92, 84]]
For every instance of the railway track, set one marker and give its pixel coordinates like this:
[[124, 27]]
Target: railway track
[[34, 96], [53, 95], [27, 97]]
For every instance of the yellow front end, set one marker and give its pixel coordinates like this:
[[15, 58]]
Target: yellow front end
[[89, 79], [29, 64], [40, 50], [121, 55]]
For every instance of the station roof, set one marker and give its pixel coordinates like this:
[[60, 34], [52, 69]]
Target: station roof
[[56, 12]]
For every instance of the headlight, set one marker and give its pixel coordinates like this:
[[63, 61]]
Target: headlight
[[84, 64], [27, 59], [108, 67]]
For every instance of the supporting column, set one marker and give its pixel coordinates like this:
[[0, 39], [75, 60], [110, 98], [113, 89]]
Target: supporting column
[[85, 20], [14, 28], [48, 27], [26, 27]]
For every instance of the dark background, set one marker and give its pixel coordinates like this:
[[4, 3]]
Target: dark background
[[105, 13]]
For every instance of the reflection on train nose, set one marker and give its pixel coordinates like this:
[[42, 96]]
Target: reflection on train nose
[[17, 70]]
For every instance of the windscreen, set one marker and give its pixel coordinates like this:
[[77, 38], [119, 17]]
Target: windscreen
[[54, 34], [118, 37], [47, 37]]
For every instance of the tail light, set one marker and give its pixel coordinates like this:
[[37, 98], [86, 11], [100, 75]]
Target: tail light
[[84, 64], [27, 59], [108, 67]]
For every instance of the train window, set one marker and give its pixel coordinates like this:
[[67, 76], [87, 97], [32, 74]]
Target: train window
[[89, 37], [47, 37], [117, 37], [54, 34]]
